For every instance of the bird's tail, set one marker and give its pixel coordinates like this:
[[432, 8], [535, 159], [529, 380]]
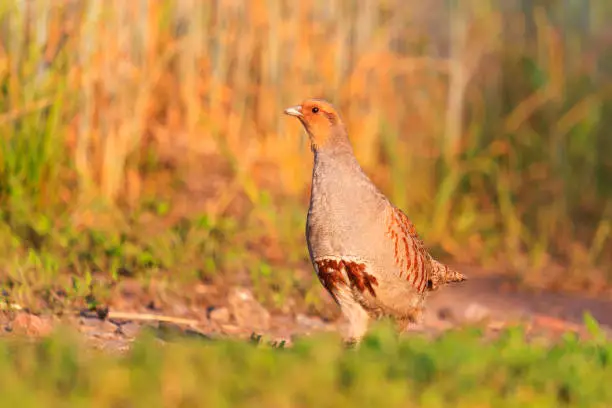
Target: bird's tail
[[442, 275]]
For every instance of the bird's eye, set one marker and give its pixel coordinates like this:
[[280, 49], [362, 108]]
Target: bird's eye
[[315, 109]]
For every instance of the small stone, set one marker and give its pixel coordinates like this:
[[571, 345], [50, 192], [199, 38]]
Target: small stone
[[310, 322], [130, 330], [153, 305], [247, 311], [476, 312], [496, 325], [288, 305], [179, 309], [202, 289], [445, 313], [232, 329], [220, 315], [95, 324], [31, 325]]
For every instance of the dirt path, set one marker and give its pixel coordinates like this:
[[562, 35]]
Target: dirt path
[[491, 293], [481, 300], [489, 297]]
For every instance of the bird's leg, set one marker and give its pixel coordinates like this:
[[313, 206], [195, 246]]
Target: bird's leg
[[358, 320], [410, 322]]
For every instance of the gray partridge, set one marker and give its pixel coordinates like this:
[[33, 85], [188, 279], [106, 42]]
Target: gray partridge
[[365, 251]]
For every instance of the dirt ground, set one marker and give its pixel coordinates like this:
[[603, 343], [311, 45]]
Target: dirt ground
[[486, 300]]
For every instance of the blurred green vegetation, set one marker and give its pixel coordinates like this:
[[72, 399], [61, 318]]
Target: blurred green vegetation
[[458, 369], [142, 138]]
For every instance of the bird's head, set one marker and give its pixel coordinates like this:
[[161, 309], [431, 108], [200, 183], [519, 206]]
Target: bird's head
[[321, 121]]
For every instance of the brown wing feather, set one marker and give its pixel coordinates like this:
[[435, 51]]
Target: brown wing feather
[[412, 259]]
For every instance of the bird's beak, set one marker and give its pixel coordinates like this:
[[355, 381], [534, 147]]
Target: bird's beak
[[294, 111]]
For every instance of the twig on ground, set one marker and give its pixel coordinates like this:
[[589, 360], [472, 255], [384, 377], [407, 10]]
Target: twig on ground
[[145, 317]]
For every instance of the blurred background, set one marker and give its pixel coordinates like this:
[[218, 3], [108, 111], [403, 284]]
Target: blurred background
[[145, 140]]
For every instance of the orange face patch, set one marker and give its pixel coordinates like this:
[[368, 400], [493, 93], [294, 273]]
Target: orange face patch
[[320, 120]]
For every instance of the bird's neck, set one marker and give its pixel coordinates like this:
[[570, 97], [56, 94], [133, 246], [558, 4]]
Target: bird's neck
[[337, 173], [336, 158]]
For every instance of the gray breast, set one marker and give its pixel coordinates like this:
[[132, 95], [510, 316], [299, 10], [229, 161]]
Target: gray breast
[[346, 214]]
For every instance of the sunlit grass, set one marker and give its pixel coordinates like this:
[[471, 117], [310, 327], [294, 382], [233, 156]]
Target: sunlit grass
[[459, 369]]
